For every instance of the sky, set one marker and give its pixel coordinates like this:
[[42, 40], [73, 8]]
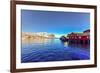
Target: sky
[[58, 23]]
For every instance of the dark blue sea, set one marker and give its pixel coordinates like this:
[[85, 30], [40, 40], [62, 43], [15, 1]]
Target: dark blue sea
[[53, 50]]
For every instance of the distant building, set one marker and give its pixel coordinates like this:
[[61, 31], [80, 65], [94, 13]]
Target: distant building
[[87, 31]]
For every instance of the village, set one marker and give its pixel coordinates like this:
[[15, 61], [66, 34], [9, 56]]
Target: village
[[37, 36], [77, 38]]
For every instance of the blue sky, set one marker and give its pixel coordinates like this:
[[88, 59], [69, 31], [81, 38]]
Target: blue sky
[[58, 23]]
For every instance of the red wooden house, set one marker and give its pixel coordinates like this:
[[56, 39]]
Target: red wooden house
[[82, 38]]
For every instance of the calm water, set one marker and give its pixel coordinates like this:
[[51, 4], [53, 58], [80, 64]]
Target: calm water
[[53, 50]]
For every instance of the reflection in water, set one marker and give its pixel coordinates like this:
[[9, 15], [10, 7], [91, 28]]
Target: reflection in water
[[44, 50]]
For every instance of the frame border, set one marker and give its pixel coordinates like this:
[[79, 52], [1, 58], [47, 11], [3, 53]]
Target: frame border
[[13, 35]]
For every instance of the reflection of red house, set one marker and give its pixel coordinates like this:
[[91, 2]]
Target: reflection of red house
[[79, 37]]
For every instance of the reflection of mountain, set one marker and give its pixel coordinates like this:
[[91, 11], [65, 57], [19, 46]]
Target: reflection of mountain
[[37, 36]]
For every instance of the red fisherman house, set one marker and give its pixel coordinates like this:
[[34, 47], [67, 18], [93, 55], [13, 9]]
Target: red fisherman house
[[80, 38]]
